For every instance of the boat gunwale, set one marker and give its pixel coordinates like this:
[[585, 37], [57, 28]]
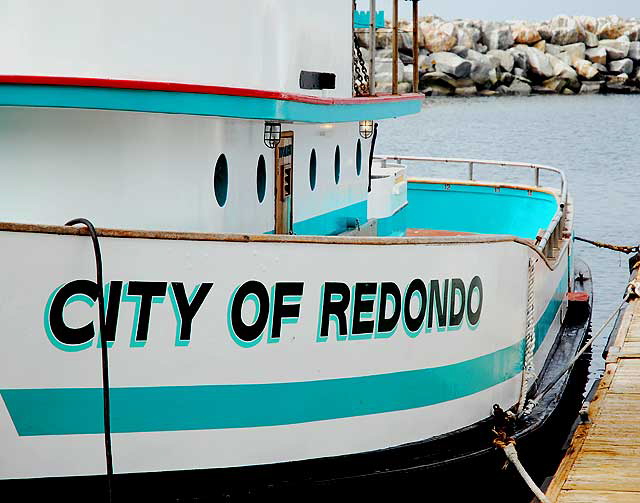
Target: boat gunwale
[[285, 238]]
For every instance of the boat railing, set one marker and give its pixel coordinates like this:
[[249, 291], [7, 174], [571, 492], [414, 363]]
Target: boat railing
[[548, 240]]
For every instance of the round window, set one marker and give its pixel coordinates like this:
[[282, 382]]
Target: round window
[[261, 179], [313, 169], [359, 158], [336, 164], [221, 180]]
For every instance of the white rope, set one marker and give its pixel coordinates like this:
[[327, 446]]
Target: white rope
[[528, 370], [512, 455]]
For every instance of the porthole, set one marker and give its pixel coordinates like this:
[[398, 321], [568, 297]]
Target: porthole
[[261, 179], [336, 164], [359, 158], [313, 169], [221, 180]]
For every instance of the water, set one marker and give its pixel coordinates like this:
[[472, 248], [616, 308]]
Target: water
[[593, 139]]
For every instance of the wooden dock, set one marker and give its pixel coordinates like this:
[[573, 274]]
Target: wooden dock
[[602, 463]]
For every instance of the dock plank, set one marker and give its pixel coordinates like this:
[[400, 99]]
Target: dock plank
[[602, 463]]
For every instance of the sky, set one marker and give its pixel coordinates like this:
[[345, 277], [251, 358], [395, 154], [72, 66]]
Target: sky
[[502, 10]]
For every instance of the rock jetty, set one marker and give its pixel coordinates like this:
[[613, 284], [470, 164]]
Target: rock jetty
[[565, 55]]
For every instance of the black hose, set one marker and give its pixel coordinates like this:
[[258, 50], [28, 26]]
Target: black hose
[[373, 146], [103, 350]]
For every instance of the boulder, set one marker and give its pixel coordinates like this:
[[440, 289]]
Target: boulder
[[575, 51], [385, 65], [519, 58], [621, 66], [616, 49], [554, 49], [460, 51], [452, 64], [561, 69], [466, 91], [617, 79], [597, 55], [554, 84], [436, 90], [481, 67], [591, 39], [590, 87], [634, 51], [539, 63], [504, 58], [502, 90], [545, 31], [611, 29], [497, 36], [519, 72], [439, 37], [407, 75], [566, 30], [438, 79], [506, 78], [589, 23], [585, 69], [525, 34], [519, 88], [541, 46], [600, 68], [565, 57], [468, 37], [487, 92]]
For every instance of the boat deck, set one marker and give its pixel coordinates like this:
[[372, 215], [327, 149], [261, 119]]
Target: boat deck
[[603, 461]]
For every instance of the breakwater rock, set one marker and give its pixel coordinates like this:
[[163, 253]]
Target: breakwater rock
[[567, 55]]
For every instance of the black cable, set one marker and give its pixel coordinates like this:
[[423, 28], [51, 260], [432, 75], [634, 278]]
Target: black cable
[[103, 350], [373, 146]]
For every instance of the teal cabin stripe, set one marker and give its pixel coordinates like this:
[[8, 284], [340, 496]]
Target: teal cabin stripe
[[333, 222], [66, 411], [243, 107]]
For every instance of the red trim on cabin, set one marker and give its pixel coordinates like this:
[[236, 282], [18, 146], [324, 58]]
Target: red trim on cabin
[[201, 89]]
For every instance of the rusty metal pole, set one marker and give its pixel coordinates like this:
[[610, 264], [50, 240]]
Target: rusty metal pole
[[416, 49], [394, 49]]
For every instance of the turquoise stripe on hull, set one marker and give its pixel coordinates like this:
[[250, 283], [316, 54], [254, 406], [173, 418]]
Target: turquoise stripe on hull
[[79, 411], [67, 411], [135, 100]]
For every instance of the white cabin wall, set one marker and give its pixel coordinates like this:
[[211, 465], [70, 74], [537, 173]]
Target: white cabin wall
[[328, 195], [155, 171], [263, 44]]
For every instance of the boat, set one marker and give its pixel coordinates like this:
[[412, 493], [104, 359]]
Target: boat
[[266, 299]]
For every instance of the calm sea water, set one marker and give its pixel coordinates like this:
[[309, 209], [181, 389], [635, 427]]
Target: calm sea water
[[594, 139]]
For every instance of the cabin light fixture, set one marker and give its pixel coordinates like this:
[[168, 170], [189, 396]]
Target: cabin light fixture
[[366, 129], [272, 134]]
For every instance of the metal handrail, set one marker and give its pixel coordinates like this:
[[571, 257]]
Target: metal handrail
[[551, 235]]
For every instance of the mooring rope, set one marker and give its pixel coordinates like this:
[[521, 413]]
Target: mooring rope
[[509, 448], [608, 246], [528, 369]]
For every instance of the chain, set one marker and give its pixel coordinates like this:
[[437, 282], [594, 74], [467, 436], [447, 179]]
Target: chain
[[360, 74]]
